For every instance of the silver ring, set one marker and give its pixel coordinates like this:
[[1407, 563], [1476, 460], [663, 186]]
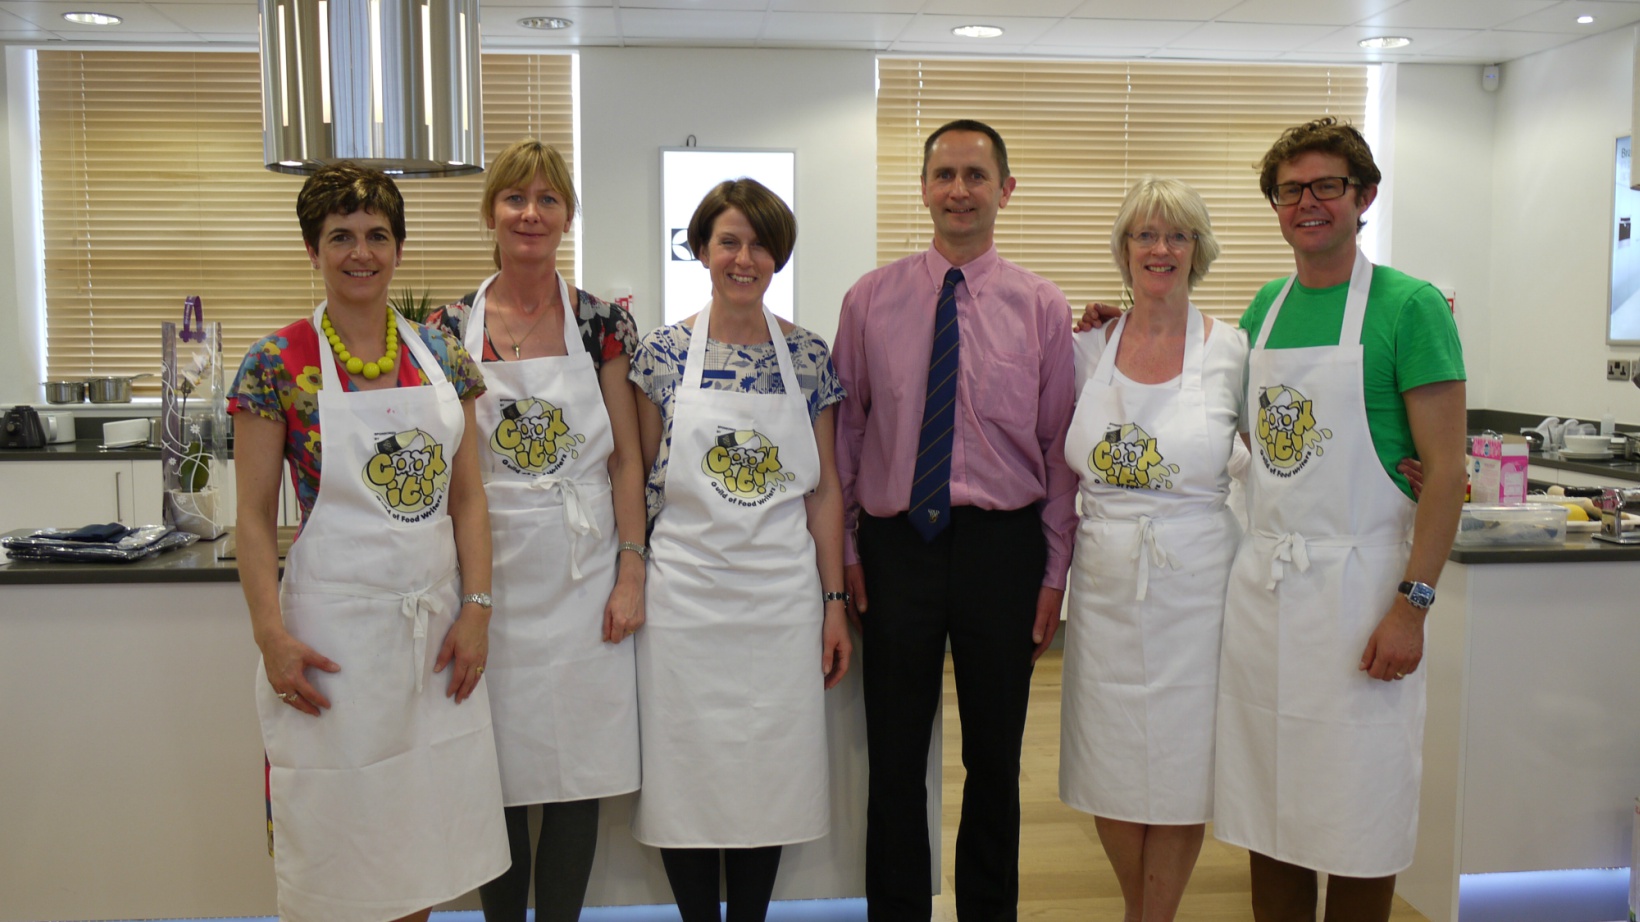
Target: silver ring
[[287, 697], [1400, 675]]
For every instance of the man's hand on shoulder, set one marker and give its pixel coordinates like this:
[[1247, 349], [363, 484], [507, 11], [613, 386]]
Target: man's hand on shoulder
[[1094, 316]]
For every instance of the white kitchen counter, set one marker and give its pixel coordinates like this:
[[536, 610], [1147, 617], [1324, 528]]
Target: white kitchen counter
[[132, 762], [1532, 743]]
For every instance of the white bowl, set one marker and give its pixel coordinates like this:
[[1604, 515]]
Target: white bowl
[[1588, 444]]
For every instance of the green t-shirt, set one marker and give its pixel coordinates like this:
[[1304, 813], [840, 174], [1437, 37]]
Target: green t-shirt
[[1409, 340]]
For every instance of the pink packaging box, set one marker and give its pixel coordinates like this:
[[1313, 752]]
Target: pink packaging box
[[1497, 469]]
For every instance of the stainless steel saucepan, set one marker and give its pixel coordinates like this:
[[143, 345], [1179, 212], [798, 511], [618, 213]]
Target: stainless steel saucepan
[[64, 391], [112, 388]]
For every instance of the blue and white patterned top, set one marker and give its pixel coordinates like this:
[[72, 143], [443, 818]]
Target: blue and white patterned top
[[657, 367]]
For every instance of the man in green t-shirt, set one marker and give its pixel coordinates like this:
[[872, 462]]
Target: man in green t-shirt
[[1321, 706]]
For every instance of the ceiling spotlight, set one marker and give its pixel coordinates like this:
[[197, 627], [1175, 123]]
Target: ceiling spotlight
[[977, 31], [552, 23], [92, 19], [1385, 41], [1585, 19]]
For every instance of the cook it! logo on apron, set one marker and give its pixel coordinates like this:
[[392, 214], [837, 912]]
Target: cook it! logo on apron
[[1286, 433], [743, 466], [1127, 457], [408, 474], [532, 437]]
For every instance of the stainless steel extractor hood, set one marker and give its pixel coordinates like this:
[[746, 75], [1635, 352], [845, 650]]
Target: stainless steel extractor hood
[[392, 84]]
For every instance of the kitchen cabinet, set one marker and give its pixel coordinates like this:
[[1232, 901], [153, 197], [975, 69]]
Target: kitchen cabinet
[[63, 494], [1568, 478]]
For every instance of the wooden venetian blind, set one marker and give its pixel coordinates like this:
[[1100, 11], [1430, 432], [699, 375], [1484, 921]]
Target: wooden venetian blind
[[1079, 134], [153, 188]]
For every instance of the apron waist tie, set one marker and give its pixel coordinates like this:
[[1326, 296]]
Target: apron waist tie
[[578, 518], [413, 605], [1293, 548], [1148, 550]]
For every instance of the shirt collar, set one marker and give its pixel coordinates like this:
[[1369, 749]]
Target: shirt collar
[[975, 273]]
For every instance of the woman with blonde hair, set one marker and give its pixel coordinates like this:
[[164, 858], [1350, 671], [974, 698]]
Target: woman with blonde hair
[[558, 446], [1158, 408]]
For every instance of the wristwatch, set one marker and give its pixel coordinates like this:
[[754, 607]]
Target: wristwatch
[[481, 599], [634, 547], [1418, 595], [836, 597]]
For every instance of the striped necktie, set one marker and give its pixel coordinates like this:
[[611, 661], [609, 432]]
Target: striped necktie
[[930, 509]]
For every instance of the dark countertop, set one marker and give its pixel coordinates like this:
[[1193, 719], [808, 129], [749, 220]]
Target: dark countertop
[[196, 563], [80, 450], [1615, 469], [1578, 549]]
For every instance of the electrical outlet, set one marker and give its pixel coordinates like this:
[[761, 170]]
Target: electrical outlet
[[1619, 369]]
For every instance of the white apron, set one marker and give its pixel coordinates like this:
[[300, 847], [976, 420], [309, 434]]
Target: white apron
[[565, 703], [733, 718], [1318, 763], [390, 801], [1153, 552]]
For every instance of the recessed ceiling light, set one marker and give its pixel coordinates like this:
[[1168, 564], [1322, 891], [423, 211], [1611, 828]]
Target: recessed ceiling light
[[545, 22], [1385, 41], [1585, 19], [92, 19], [977, 31]]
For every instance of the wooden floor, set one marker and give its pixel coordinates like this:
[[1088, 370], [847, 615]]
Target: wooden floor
[[1063, 873]]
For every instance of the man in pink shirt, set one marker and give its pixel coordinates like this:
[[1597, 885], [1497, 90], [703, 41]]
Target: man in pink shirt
[[960, 511]]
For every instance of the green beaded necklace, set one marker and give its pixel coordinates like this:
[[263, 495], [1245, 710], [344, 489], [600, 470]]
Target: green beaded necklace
[[356, 365]]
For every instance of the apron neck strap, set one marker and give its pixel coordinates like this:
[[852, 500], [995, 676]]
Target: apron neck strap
[[694, 366], [1190, 373], [1355, 304], [473, 336], [407, 335]]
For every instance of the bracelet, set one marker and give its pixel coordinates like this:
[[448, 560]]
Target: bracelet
[[481, 599], [843, 597], [634, 547]]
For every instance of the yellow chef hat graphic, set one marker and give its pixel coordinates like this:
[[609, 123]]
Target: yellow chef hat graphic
[[408, 473], [1286, 432], [744, 465], [533, 437], [1127, 456]]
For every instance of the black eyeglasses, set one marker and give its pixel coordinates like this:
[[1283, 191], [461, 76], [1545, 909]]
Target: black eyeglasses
[[1174, 240], [1324, 189]]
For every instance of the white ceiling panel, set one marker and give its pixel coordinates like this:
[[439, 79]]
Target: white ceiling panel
[[1563, 18], [1204, 54], [1242, 36], [1423, 40], [834, 27], [212, 17], [1017, 30], [1198, 10], [704, 27], [543, 7], [850, 6], [1502, 46], [1115, 32], [136, 17], [985, 9], [1457, 14], [1314, 12], [584, 24], [695, 5]]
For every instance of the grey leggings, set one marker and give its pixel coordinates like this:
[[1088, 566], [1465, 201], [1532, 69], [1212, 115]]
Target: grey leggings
[[563, 864]]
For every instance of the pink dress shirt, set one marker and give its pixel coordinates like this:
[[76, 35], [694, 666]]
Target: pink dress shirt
[[1015, 394]]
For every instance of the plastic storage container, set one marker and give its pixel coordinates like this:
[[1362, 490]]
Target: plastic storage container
[[1530, 525]]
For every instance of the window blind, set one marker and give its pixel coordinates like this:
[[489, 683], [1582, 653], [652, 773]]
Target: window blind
[[1079, 133], [153, 188]]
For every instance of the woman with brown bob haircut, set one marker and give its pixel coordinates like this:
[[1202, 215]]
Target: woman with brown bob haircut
[[382, 780], [746, 592], [558, 433]]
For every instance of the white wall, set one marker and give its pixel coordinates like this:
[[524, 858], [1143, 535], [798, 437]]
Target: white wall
[[823, 104], [20, 374], [1559, 114], [1443, 124]]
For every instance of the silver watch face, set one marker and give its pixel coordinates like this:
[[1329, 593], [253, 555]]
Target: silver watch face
[[1421, 595]]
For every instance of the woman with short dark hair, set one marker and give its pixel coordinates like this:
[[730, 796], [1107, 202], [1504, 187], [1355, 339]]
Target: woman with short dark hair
[[746, 582], [382, 779]]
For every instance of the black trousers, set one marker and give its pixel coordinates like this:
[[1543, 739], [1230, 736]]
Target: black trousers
[[975, 584]]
